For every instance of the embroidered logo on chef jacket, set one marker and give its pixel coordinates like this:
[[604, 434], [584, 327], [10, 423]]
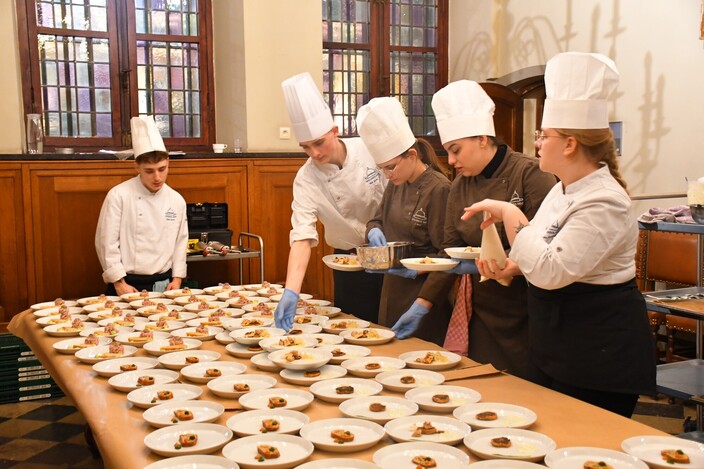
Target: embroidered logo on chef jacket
[[373, 176], [516, 199], [552, 231], [419, 218], [170, 215]]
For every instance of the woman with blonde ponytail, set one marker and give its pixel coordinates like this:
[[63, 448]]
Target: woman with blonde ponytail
[[589, 334]]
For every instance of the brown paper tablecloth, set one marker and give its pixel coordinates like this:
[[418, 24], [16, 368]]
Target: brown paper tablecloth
[[119, 428]]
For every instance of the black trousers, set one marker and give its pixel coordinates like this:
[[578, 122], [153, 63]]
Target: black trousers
[[141, 282], [358, 293]]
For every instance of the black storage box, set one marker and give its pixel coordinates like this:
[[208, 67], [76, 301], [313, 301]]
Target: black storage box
[[206, 215]]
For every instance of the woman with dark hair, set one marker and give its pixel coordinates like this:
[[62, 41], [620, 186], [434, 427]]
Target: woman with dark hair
[[412, 208], [492, 317], [589, 334]]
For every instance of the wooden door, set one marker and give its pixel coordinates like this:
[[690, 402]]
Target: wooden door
[[508, 116]]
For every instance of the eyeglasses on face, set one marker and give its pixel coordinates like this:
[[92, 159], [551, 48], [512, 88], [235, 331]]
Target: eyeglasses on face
[[540, 136]]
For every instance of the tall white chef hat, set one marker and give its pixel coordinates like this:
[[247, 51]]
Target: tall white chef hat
[[577, 85], [309, 114], [463, 109], [145, 136], [384, 129]]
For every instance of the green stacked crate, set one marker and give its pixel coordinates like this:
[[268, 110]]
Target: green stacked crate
[[22, 376]]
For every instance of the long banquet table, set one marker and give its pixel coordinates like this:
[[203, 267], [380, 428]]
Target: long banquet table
[[119, 428]]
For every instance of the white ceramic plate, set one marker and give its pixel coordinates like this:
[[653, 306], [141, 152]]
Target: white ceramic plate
[[268, 292], [505, 464], [97, 313], [240, 335], [182, 316], [400, 455], [229, 312], [328, 311], [100, 331], [311, 358], [228, 295], [575, 456], [379, 336], [124, 338], [191, 333], [366, 434], [293, 450], [458, 395], [198, 307], [192, 462], [162, 415], [218, 321], [147, 396], [123, 321], [224, 338], [141, 295], [327, 390], [313, 302], [396, 407], [464, 252], [441, 359], [273, 344], [156, 347], [183, 292], [95, 354], [647, 448], [185, 300], [358, 366], [338, 463], [54, 311], [509, 415], [127, 381], [261, 361], [71, 346], [109, 368], [250, 422], [241, 301], [309, 319], [254, 306], [55, 319], [450, 430], [241, 323], [177, 360], [52, 304], [89, 300], [525, 444], [296, 399], [335, 326], [305, 329], [243, 351], [224, 386], [348, 351], [169, 327], [343, 262], [436, 264], [392, 380], [211, 437], [299, 377], [324, 338], [65, 329], [224, 287], [259, 286], [197, 372], [277, 296], [136, 304], [151, 310]]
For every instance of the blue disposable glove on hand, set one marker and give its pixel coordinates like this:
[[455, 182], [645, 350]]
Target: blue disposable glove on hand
[[408, 323], [286, 310], [376, 237], [464, 267], [399, 272]]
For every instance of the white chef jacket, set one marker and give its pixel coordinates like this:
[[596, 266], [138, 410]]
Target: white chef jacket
[[140, 232], [342, 199], [585, 233]]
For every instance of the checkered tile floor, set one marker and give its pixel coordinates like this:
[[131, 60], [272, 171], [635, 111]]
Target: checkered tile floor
[[44, 434]]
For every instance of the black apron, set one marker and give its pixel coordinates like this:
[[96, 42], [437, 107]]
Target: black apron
[[358, 292], [593, 336], [141, 282]]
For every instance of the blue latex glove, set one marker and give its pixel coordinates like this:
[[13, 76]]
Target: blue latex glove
[[464, 267], [408, 323], [286, 310], [400, 272], [376, 237]]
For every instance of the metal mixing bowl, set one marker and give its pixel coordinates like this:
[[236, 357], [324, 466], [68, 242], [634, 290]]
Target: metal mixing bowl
[[697, 213], [383, 257]]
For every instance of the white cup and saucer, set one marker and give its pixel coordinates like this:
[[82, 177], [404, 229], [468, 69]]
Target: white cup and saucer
[[219, 147]]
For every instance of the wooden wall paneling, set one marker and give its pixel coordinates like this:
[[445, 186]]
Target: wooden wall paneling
[[65, 208], [216, 181], [508, 116], [13, 261]]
